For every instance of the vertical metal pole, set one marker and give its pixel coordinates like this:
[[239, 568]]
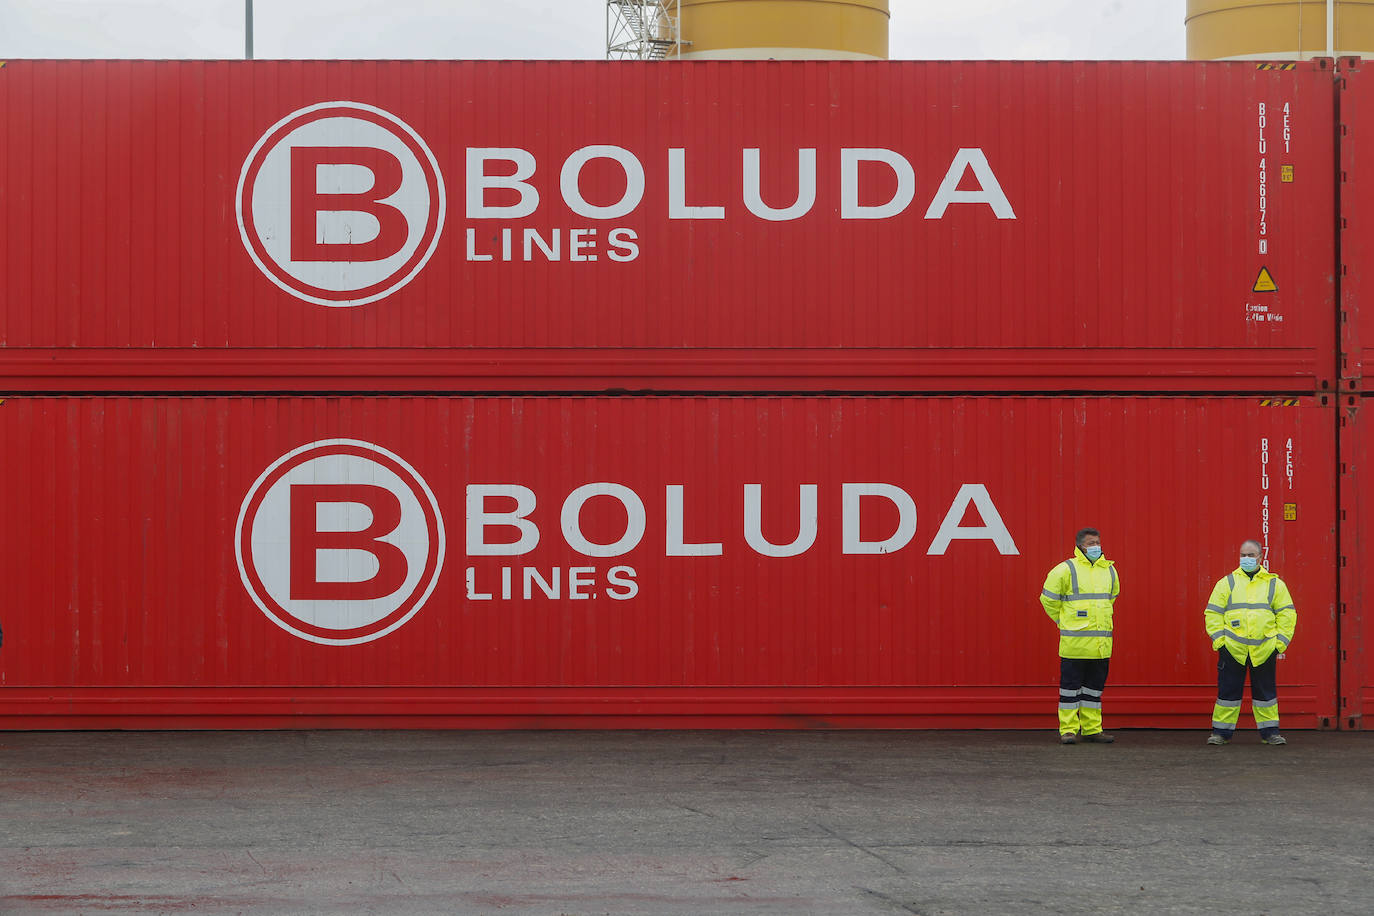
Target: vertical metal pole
[[247, 29], [1330, 28]]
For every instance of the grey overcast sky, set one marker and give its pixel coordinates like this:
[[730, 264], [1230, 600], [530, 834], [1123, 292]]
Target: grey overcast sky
[[570, 29]]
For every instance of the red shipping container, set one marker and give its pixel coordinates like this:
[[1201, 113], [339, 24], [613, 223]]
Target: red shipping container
[[645, 562], [1356, 218], [1357, 536], [713, 226]]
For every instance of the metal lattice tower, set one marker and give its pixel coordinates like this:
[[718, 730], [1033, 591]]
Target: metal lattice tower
[[642, 29]]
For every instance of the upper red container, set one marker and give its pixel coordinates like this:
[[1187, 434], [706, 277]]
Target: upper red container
[[716, 561], [1357, 219], [555, 226]]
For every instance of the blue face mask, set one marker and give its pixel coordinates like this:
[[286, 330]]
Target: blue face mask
[[1092, 553], [1249, 564]]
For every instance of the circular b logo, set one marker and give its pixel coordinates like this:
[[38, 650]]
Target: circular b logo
[[339, 542], [340, 203]]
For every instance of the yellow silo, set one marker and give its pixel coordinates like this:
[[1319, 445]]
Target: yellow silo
[[784, 29], [1278, 29]]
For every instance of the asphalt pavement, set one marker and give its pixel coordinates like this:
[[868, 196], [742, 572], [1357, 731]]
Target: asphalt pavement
[[566, 822]]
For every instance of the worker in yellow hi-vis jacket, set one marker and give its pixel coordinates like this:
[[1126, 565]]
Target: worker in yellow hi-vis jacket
[[1078, 596], [1250, 620]]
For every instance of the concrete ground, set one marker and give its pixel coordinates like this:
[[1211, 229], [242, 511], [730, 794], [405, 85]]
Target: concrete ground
[[683, 823]]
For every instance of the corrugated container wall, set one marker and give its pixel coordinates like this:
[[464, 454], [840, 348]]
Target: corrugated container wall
[[655, 561], [1356, 129], [710, 226], [1356, 622], [1356, 627]]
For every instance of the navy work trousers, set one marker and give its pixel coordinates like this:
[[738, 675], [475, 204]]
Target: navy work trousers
[[1264, 694], [1081, 682]]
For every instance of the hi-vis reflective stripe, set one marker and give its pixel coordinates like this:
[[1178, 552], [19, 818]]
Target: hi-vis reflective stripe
[[1263, 704], [1284, 639], [1090, 704], [1247, 605], [1220, 726], [1090, 692], [1229, 703], [1075, 594], [1055, 595], [1073, 705], [1064, 632], [1244, 641], [1070, 694], [1216, 634]]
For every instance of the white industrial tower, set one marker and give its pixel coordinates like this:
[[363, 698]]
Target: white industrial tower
[[642, 29]]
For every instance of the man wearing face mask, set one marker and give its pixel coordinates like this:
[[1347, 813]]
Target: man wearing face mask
[[1250, 620], [1078, 596]]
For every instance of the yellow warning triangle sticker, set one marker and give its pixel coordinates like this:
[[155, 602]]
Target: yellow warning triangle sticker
[[1264, 283]]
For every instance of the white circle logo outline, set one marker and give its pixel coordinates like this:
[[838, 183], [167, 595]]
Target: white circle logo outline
[[441, 204], [440, 540]]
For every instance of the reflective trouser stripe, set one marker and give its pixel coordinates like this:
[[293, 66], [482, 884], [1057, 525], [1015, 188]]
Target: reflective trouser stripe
[[1225, 715], [1266, 713], [1068, 704], [1088, 691]]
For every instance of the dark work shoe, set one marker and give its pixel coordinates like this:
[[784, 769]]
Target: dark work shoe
[[1068, 738], [1099, 738], [1217, 740], [1275, 740]]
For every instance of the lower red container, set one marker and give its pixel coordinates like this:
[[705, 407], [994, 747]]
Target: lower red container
[[635, 561], [1357, 537]]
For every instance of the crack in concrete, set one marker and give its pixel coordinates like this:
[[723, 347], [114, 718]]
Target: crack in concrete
[[890, 901], [864, 849]]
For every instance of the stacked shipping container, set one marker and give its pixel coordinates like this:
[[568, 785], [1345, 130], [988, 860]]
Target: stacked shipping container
[[1019, 227], [294, 343]]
